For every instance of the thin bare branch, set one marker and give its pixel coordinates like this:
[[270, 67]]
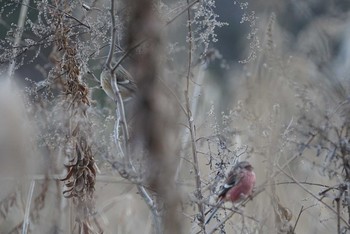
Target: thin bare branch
[[113, 32], [313, 195], [18, 35], [27, 210], [296, 222], [198, 191]]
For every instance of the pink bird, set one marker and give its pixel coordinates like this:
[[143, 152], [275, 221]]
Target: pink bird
[[239, 185]]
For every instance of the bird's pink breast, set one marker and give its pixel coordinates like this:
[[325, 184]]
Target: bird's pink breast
[[243, 189]]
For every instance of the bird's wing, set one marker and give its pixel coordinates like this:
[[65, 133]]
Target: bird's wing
[[232, 180], [125, 79], [123, 75]]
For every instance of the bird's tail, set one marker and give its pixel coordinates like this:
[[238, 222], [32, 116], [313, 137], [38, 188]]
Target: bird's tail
[[213, 211]]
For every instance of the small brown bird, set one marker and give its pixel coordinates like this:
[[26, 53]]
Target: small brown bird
[[239, 185], [125, 82]]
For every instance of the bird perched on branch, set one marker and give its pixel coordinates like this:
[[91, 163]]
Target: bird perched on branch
[[238, 186], [125, 82]]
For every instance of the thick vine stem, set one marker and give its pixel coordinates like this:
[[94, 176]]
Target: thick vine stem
[[124, 148], [121, 131]]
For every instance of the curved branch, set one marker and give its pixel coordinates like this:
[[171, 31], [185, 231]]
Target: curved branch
[[113, 29]]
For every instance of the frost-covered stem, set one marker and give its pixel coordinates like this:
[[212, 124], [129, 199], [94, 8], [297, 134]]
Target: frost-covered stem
[[27, 211], [197, 88], [198, 192], [117, 135], [189, 27], [120, 110], [18, 36], [149, 201], [194, 105], [113, 31]]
